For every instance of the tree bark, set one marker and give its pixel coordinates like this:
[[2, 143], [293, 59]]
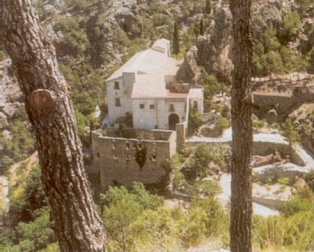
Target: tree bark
[[77, 224], [242, 136]]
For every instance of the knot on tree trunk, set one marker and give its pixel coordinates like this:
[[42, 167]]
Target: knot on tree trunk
[[43, 99]]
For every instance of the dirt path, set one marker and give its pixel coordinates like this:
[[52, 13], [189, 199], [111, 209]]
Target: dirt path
[[11, 180]]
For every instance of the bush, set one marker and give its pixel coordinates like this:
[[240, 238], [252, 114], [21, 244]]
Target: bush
[[255, 177], [203, 155], [195, 121], [222, 123], [258, 124], [302, 202], [284, 181], [178, 180], [211, 86]]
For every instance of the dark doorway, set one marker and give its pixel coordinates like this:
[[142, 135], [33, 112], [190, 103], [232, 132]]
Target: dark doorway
[[173, 120]]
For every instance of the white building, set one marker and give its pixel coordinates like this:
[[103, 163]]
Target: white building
[[145, 88]]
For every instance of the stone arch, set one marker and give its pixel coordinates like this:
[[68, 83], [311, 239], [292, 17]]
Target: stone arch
[[172, 121]]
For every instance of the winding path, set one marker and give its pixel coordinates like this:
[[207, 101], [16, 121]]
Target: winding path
[[225, 181]]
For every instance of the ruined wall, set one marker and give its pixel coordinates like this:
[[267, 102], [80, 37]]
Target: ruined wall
[[281, 102], [266, 148], [115, 159]]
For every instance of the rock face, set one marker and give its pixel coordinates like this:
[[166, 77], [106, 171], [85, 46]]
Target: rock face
[[189, 70], [303, 119], [214, 50], [9, 89], [10, 94]]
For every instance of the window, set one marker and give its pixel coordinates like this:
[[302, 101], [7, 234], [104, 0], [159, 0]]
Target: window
[[116, 85], [151, 106], [141, 106], [195, 105], [118, 102], [171, 108]]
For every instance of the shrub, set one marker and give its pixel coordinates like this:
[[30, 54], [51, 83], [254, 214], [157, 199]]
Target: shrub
[[222, 123], [284, 181], [203, 155], [255, 177], [304, 201], [195, 121], [211, 86], [258, 124]]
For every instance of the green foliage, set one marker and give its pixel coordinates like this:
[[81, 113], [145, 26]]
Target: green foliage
[[178, 180], [222, 123], [175, 40], [22, 143], [202, 27], [311, 58], [291, 231], [195, 121], [292, 61], [289, 131], [271, 54], [211, 86], [137, 194], [140, 155], [292, 24], [129, 133], [272, 62], [75, 41], [135, 222], [157, 230], [284, 181], [175, 161], [309, 178], [255, 177], [203, 155], [304, 201], [208, 7], [258, 124], [121, 209], [87, 85], [35, 235], [27, 198], [270, 40], [29, 215]]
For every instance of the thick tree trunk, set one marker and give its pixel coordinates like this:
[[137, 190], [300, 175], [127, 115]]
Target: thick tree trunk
[[76, 221], [242, 136]]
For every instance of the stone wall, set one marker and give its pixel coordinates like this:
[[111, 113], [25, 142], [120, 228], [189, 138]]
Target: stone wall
[[281, 172], [271, 203], [270, 100], [282, 102], [116, 163], [267, 148]]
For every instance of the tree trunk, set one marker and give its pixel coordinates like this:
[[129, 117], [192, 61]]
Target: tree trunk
[[47, 101], [242, 136]]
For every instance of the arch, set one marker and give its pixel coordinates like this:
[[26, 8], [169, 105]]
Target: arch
[[172, 121]]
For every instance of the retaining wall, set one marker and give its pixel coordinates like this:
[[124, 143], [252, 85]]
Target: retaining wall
[[271, 203]]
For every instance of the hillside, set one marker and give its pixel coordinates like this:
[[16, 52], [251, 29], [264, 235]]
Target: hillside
[[94, 38]]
